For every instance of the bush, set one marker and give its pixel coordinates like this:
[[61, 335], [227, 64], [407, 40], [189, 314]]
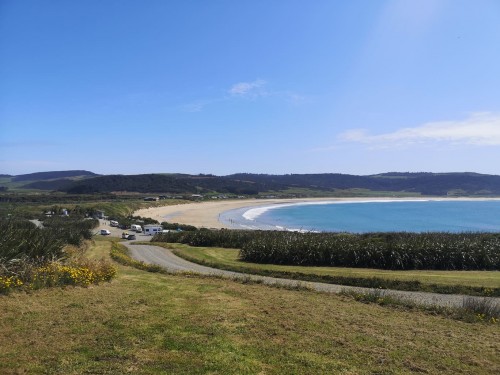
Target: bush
[[32, 257], [57, 274], [177, 226]]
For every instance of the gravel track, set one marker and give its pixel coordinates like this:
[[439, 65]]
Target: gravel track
[[165, 258]]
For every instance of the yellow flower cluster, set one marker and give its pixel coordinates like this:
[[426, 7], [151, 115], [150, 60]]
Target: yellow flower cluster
[[57, 274], [54, 274], [480, 316], [6, 283]]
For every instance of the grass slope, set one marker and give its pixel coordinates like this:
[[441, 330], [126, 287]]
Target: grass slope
[[148, 323]]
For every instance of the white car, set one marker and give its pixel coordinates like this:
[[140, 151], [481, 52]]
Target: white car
[[105, 232]]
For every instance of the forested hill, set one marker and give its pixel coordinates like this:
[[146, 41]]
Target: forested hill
[[164, 183], [250, 184], [424, 183], [52, 175]]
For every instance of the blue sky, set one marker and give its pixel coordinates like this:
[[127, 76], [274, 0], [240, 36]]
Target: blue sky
[[256, 86]]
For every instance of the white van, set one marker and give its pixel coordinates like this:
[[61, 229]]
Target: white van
[[113, 223], [136, 227]]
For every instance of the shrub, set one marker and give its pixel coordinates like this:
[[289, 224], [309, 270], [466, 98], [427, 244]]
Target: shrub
[[57, 274], [32, 257], [177, 226]]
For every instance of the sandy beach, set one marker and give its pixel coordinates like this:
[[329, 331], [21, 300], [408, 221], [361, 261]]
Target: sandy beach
[[207, 214]]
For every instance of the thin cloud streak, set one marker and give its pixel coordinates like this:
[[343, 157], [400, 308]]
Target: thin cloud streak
[[254, 88], [247, 91], [479, 129]]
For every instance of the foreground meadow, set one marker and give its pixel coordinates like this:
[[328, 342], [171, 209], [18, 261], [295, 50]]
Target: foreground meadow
[[150, 323]]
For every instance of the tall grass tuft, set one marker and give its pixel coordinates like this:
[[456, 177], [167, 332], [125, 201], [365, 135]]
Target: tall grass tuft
[[482, 308]]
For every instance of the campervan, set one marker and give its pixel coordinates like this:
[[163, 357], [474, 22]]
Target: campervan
[[152, 229], [136, 227]]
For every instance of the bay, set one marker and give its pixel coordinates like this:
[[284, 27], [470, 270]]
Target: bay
[[382, 216]]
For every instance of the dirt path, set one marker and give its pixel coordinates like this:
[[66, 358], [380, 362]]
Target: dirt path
[[165, 258]]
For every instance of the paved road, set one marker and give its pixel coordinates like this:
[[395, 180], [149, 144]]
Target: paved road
[[165, 258]]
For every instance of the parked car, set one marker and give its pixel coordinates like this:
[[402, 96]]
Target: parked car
[[131, 237], [105, 232], [124, 235]]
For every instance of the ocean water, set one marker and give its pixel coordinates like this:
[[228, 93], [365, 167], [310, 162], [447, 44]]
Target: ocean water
[[372, 216]]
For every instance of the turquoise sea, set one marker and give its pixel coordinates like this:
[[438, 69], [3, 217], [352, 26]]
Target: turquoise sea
[[372, 216]]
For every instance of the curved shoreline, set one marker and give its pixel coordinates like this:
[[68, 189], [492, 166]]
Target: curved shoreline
[[211, 214]]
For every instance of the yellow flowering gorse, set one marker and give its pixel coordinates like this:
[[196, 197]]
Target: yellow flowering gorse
[[57, 274], [7, 283]]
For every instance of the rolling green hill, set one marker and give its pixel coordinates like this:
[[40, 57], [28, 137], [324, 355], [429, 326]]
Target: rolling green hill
[[435, 184]]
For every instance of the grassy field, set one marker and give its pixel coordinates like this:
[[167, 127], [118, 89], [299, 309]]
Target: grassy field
[[146, 323], [228, 258]]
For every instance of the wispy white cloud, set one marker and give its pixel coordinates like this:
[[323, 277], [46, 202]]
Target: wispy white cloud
[[249, 91], [255, 88], [479, 129]]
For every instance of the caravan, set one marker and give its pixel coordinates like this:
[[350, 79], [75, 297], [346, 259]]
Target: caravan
[[152, 229], [136, 227]]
